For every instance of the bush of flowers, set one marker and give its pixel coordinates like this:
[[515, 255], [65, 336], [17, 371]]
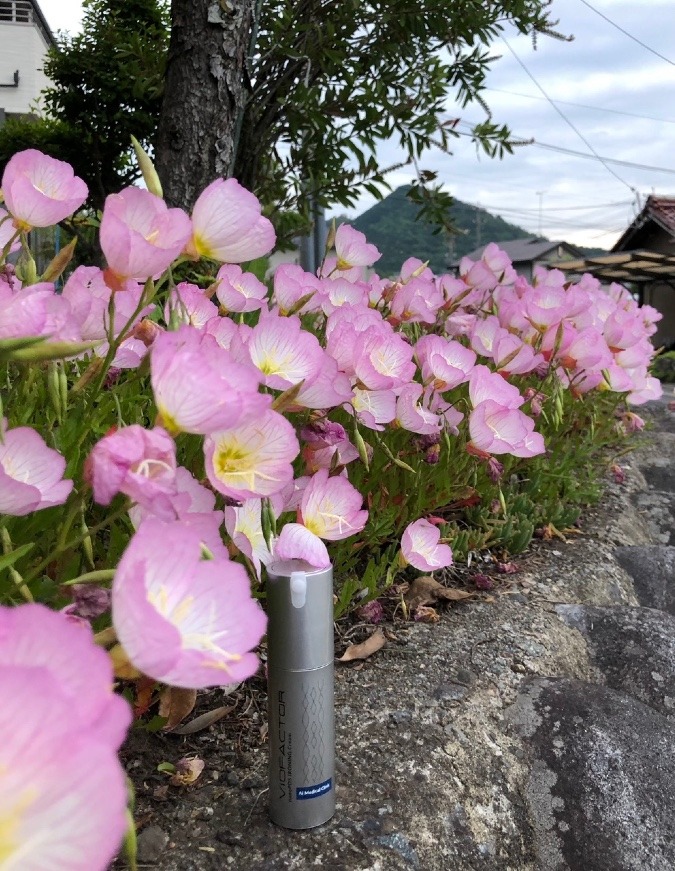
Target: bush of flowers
[[170, 425]]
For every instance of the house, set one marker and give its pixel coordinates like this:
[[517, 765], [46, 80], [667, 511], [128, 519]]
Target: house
[[527, 253], [24, 39], [643, 259]]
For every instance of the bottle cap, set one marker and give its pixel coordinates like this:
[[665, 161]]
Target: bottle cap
[[300, 615]]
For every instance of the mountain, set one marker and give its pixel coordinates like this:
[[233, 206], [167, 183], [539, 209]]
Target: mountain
[[391, 225]]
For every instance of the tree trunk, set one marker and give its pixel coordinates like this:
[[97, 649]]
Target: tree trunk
[[205, 95]]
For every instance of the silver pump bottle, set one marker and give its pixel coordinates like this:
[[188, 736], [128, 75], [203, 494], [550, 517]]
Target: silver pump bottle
[[300, 694]]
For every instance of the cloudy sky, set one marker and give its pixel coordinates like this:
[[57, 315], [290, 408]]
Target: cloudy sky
[[617, 93]]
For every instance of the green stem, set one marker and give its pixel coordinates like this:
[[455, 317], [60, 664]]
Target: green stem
[[62, 548]]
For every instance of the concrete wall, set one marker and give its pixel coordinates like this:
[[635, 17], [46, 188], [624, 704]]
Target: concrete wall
[[23, 48], [662, 297]]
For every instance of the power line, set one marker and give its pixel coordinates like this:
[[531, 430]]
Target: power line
[[585, 106], [551, 221], [568, 122], [605, 160], [525, 140], [629, 35]]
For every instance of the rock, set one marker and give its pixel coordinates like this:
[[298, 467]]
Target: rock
[[151, 843], [660, 476], [658, 511], [601, 779], [652, 569], [634, 648]]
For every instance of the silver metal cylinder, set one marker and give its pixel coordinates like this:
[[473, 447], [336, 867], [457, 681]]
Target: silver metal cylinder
[[301, 716]]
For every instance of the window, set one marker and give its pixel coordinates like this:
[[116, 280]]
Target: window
[[16, 10]]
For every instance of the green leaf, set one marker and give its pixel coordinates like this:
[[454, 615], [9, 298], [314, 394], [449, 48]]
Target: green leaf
[[8, 559]]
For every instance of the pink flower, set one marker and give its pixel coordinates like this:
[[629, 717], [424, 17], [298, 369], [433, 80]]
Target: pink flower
[[324, 441], [374, 407], [284, 352], [632, 422], [31, 474], [138, 462], [337, 291], [40, 191], [484, 384], [645, 388], [181, 619], [420, 546], [343, 328], [244, 526], [418, 301], [445, 363], [411, 413], [189, 304], [352, 249], [89, 298], [254, 459], [63, 792], [331, 507], [383, 359], [327, 390], [199, 387], [492, 269], [497, 429], [413, 265], [239, 291], [7, 233], [586, 350], [298, 542], [546, 305], [35, 637], [512, 356], [291, 284], [37, 310], [194, 504], [140, 236], [227, 224]]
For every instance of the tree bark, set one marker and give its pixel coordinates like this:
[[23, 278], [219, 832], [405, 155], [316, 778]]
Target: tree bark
[[205, 94]]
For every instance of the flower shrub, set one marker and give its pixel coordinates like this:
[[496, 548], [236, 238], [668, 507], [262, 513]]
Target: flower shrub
[[171, 426]]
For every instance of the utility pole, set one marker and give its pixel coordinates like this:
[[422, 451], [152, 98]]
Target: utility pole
[[540, 194]]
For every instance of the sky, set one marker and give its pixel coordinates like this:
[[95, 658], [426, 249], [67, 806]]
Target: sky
[[617, 93]]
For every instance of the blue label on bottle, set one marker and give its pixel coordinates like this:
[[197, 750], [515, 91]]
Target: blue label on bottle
[[303, 792]]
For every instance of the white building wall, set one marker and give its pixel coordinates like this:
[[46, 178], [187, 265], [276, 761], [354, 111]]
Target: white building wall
[[22, 48]]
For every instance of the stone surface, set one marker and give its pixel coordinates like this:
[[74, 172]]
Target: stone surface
[[432, 773], [602, 778], [151, 843], [634, 648], [652, 569]]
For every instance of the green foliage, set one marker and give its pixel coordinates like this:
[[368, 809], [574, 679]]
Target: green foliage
[[546, 492], [107, 85], [326, 84], [330, 81], [663, 367]]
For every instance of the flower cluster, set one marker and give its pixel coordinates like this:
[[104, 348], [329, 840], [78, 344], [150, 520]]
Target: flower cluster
[[63, 794], [207, 426]]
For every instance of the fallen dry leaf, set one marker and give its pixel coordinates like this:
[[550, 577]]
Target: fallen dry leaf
[[425, 614], [427, 591], [371, 645], [145, 689], [187, 771], [175, 704], [204, 720]]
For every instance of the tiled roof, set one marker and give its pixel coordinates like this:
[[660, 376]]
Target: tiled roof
[[523, 250], [661, 210]]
